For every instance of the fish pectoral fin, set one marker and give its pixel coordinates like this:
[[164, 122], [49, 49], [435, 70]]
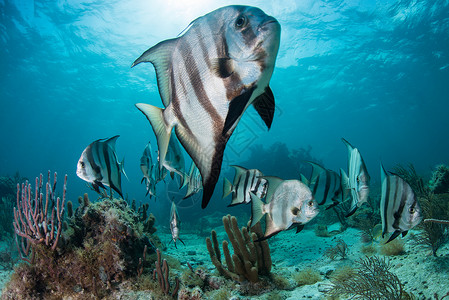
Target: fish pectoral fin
[[299, 228], [404, 233], [222, 67], [264, 105], [160, 56], [236, 108], [161, 129]]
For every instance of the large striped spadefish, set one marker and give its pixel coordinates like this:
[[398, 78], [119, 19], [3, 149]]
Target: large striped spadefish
[[207, 78]]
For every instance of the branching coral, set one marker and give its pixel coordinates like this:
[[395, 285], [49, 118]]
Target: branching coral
[[341, 249], [372, 280], [250, 259], [162, 272], [439, 183], [101, 248], [434, 234]]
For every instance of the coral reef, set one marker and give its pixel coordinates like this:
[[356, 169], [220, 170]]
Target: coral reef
[[372, 280], [250, 259], [100, 248], [439, 184]]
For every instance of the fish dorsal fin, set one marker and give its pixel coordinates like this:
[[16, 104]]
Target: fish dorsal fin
[[316, 170], [264, 105], [303, 179], [236, 109], [222, 67], [273, 183], [350, 148], [383, 173], [160, 56], [111, 141], [239, 171]]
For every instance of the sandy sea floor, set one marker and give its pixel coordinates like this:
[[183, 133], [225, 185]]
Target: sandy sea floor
[[419, 271]]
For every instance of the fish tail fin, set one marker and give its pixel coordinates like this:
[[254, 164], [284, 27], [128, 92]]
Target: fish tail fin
[[162, 131], [256, 209], [227, 187]]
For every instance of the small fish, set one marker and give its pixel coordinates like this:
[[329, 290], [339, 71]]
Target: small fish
[[193, 181], [357, 179], [291, 204], [99, 165], [245, 183], [207, 78], [174, 160], [174, 224], [399, 209], [325, 185], [146, 165]]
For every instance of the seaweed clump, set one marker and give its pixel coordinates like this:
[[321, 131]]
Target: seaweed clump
[[100, 248], [372, 279]]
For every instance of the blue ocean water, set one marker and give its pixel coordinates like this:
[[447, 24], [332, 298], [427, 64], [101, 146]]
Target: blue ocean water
[[373, 72]]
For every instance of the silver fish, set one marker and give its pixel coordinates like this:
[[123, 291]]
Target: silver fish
[[174, 224], [357, 179], [99, 165], [147, 166], [325, 185], [193, 181], [207, 77], [399, 209], [290, 202], [245, 182]]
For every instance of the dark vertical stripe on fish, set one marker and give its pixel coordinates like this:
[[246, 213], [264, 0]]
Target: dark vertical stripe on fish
[[92, 162], [326, 186], [398, 214], [198, 87], [387, 200]]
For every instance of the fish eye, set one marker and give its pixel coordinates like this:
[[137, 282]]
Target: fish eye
[[241, 21], [295, 210], [310, 204], [411, 210], [82, 164]]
